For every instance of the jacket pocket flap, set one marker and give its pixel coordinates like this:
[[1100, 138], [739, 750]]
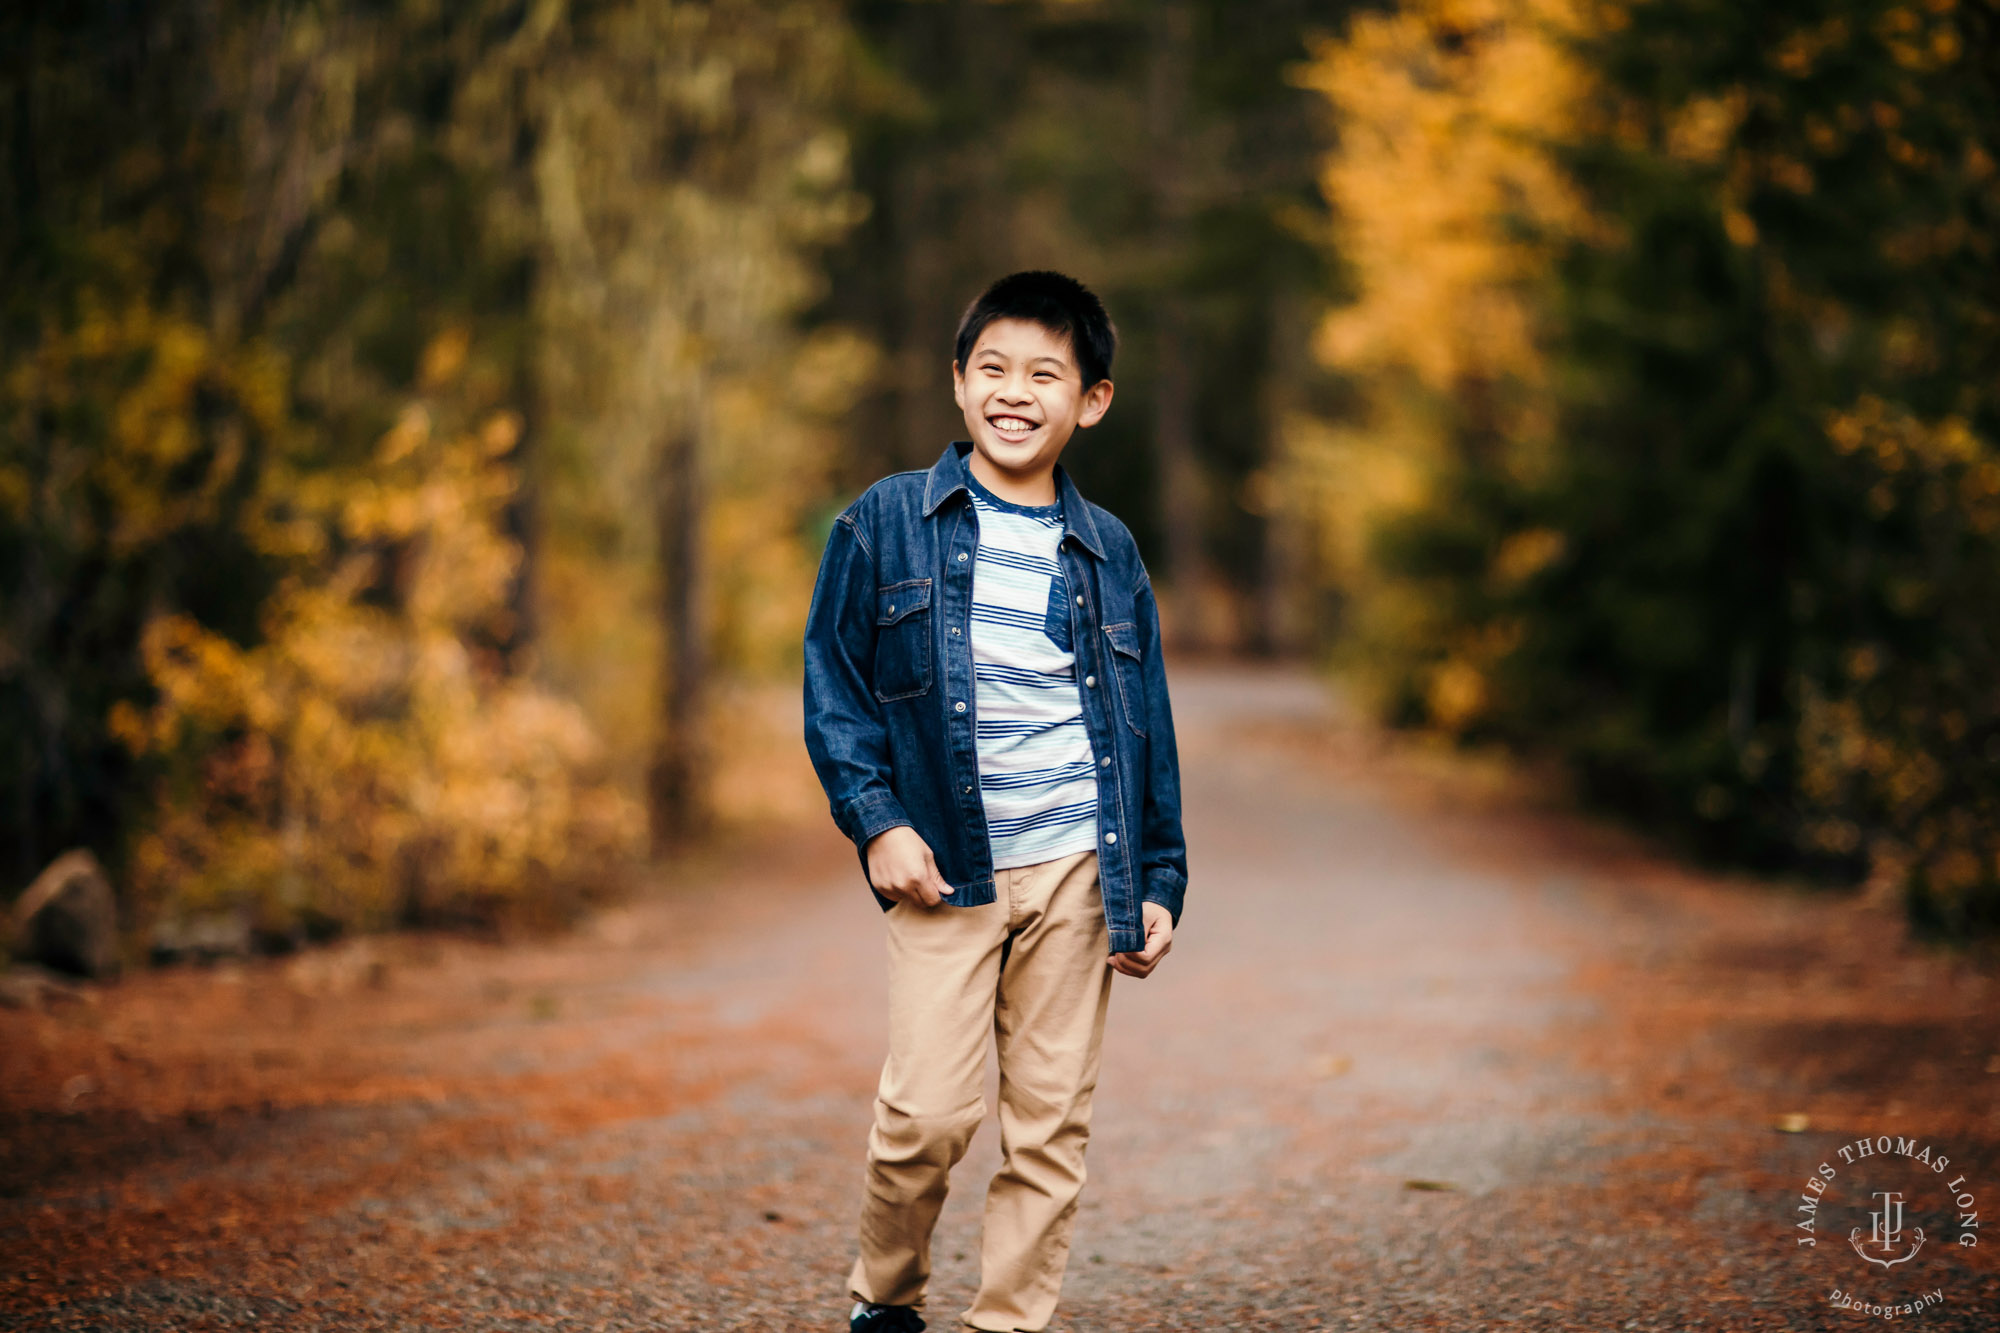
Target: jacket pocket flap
[[901, 599], [1124, 638]]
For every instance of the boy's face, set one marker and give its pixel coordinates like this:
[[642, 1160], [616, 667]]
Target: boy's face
[[1022, 394]]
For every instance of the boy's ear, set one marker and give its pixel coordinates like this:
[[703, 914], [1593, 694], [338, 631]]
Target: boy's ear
[[1096, 402], [957, 383]]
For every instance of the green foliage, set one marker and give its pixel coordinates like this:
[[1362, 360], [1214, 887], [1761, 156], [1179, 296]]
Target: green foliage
[[133, 434], [246, 245], [1758, 613], [228, 234]]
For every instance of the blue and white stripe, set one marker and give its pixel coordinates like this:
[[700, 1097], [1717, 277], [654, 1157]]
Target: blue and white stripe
[[1036, 776]]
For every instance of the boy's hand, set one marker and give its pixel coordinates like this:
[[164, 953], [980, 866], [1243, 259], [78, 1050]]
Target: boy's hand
[[1159, 939], [900, 866]]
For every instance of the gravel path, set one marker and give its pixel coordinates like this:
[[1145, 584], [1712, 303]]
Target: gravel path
[[1424, 1056]]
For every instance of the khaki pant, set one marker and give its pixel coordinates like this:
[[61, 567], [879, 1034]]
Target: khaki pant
[[1033, 967]]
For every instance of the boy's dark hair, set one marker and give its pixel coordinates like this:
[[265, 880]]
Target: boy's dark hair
[[1058, 303]]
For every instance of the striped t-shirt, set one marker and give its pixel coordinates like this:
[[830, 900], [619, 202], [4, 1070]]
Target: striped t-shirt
[[1035, 775]]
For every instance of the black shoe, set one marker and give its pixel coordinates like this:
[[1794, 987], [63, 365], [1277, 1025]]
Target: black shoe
[[885, 1319]]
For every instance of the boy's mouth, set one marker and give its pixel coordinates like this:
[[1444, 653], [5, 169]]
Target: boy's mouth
[[1013, 425]]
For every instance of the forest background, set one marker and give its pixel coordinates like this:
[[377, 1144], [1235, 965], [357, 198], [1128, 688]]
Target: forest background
[[419, 422]]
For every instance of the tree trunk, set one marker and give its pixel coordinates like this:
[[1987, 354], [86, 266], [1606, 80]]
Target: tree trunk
[[676, 788], [1180, 476], [1281, 623], [923, 370], [1179, 469], [523, 523]]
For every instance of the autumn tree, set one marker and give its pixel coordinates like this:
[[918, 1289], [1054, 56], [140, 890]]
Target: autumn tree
[[358, 366], [1676, 326], [684, 172]]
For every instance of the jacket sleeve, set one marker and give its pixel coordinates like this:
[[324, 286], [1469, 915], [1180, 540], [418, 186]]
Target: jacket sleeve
[[845, 733], [1163, 867]]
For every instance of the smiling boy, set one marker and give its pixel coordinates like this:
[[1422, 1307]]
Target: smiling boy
[[987, 709]]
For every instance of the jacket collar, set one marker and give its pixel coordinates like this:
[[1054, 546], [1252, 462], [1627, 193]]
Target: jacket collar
[[949, 474]]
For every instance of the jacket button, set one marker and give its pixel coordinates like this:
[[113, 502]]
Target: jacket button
[[961, 557], [960, 705], [1110, 838], [1104, 762], [892, 608], [968, 791], [1090, 681], [1079, 599], [954, 629]]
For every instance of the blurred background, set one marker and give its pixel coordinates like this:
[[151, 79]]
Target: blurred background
[[419, 422]]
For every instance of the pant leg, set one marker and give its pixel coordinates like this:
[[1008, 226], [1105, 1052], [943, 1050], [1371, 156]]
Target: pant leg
[[1049, 1024], [944, 967]]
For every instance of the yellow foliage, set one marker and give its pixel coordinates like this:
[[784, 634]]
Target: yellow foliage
[[1881, 744], [1525, 554], [1939, 467], [365, 763], [159, 470], [1443, 108], [1347, 479], [1448, 206], [1457, 694], [1706, 126]]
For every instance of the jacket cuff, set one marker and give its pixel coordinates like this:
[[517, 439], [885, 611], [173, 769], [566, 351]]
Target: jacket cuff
[[1166, 887], [871, 814]]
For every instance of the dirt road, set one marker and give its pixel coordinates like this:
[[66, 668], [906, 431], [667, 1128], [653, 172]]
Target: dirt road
[[1423, 1057]]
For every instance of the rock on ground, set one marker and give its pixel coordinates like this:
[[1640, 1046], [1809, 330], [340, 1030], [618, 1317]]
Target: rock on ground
[[68, 918]]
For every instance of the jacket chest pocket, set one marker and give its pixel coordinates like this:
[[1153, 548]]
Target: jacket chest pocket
[[902, 639], [1125, 668]]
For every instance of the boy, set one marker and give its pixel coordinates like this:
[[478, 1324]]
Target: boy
[[987, 709]]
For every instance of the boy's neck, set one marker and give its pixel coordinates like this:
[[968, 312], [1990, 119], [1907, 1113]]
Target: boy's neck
[[1034, 487]]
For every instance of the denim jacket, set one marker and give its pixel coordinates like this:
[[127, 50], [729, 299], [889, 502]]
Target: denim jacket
[[890, 706]]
